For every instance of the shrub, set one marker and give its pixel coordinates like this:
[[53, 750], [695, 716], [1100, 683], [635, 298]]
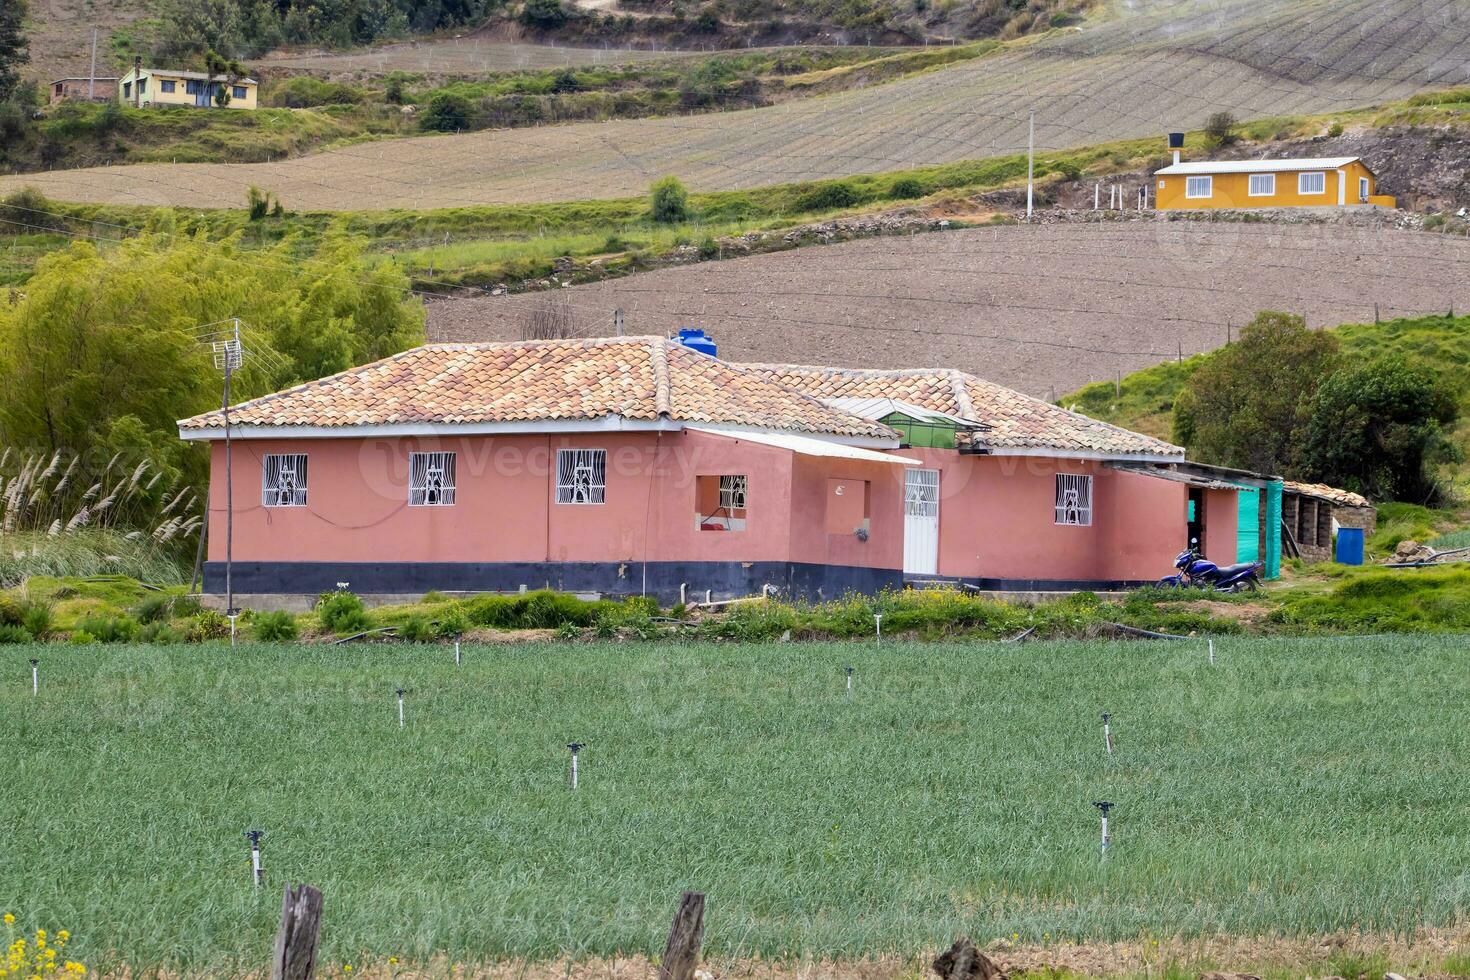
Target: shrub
[[185, 606], [1335, 129], [11, 610], [393, 92], [12, 633], [709, 248], [206, 625], [417, 629], [453, 623], [543, 13], [669, 201], [160, 633], [304, 92], [152, 608], [1220, 129], [342, 612], [110, 629], [544, 609], [81, 638], [274, 627], [37, 618], [448, 112], [829, 197], [905, 188]]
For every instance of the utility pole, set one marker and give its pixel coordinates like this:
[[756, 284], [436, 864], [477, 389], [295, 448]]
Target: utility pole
[[618, 322], [227, 357], [92, 78], [1030, 163]]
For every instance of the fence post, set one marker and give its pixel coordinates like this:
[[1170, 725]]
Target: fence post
[[301, 919], [681, 953]]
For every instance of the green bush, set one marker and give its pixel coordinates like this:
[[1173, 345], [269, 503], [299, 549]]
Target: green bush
[[543, 13], [110, 629], [304, 92], [544, 609], [152, 608], [669, 201], [206, 625], [417, 629], [453, 623], [342, 612], [829, 197], [906, 188], [274, 627], [13, 633], [448, 112], [160, 633], [81, 638], [37, 617], [12, 610]]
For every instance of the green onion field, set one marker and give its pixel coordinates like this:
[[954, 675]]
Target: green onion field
[[1296, 786]]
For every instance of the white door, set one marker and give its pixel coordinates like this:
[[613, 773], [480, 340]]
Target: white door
[[921, 522]]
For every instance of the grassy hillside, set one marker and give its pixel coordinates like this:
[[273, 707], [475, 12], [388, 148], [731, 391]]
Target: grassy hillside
[[1130, 78], [742, 770], [1144, 400]]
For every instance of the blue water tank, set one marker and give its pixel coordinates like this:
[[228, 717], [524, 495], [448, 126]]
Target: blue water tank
[[1350, 546], [696, 340]]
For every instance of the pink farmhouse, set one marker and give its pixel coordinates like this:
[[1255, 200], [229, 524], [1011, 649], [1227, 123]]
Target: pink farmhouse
[[635, 465]]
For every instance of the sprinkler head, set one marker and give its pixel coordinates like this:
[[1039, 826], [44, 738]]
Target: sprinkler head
[[1103, 805], [849, 671], [576, 746], [1105, 717], [400, 692], [35, 662], [254, 836]]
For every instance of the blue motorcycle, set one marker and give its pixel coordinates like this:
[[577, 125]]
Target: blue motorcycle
[[1198, 572]]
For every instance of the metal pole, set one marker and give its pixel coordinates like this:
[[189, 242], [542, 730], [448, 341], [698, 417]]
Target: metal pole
[[256, 871], [1030, 163], [1108, 732], [456, 649], [35, 678], [575, 747], [230, 489], [878, 626], [1211, 641], [400, 707], [849, 680], [92, 78], [1104, 806]]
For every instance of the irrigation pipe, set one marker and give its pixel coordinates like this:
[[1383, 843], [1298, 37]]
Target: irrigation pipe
[[390, 630], [1148, 634]]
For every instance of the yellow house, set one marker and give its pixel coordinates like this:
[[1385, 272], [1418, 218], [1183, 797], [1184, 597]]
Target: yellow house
[[159, 86], [1303, 183]]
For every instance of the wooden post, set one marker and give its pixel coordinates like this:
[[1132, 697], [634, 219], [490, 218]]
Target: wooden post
[[301, 919], [681, 954]]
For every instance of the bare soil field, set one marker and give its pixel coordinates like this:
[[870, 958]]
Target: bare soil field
[[1044, 308], [462, 56], [1130, 77], [60, 33]]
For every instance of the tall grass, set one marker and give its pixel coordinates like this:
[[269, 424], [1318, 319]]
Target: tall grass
[[60, 516], [949, 794]]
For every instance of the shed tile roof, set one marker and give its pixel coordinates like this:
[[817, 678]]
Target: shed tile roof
[[1015, 421], [541, 380], [1343, 498], [195, 75]]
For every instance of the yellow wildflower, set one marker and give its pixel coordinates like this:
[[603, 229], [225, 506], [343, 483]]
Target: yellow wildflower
[[9, 919]]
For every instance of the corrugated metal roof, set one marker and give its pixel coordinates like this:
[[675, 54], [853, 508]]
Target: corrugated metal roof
[[875, 409], [196, 75], [1209, 167], [807, 446]]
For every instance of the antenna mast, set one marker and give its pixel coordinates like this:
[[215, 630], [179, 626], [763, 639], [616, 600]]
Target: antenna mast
[[228, 356]]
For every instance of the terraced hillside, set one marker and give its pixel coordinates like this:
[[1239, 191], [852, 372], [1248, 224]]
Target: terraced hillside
[[1044, 309], [456, 56], [1169, 68]]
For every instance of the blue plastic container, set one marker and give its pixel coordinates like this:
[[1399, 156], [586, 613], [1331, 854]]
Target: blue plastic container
[[1350, 546], [695, 339]]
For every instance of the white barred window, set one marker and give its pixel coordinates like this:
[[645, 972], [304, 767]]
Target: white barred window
[[732, 492], [1314, 182], [283, 480], [1074, 499], [430, 479], [581, 476]]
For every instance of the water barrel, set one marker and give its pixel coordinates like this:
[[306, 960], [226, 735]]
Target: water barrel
[[695, 339], [1350, 546]]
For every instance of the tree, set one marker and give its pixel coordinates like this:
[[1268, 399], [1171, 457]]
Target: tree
[[1248, 405], [107, 346], [232, 70], [1376, 427], [14, 48], [447, 113], [1220, 129], [669, 201], [545, 14]]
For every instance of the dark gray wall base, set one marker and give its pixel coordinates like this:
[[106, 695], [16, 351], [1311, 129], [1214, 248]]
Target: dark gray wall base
[[1041, 584], [724, 579]]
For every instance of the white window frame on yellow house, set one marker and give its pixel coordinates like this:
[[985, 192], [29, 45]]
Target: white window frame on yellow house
[[1270, 182], [1209, 185], [1301, 183], [1364, 190]]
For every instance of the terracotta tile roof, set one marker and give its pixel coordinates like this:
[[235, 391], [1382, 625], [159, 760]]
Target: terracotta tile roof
[[540, 380], [1016, 421], [1343, 498]]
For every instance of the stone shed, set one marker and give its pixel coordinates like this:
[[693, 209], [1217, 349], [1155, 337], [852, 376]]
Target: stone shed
[[1311, 513]]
